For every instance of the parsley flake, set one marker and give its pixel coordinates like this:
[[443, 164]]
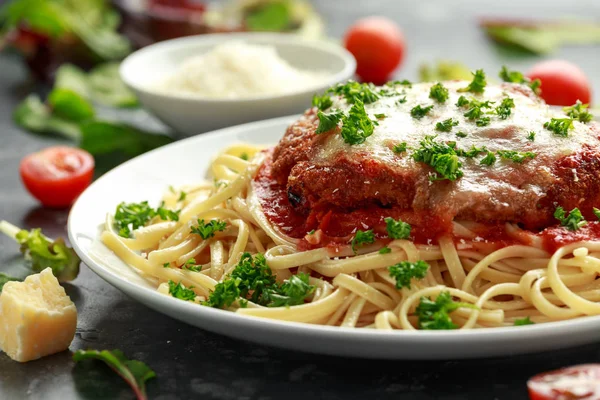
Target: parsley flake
[[475, 109], [523, 321], [489, 159], [461, 134], [361, 238], [328, 121], [357, 126], [531, 136], [405, 271], [478, 83], [244, 156], [516, 156], [397, 229], [353, 92], [596, 212], [209, 229], [578, 111], [385, 250], [559, 126], [504, 109], [442, 157], [419, 112], [439, 93], [401, 100], [191, 265], [483, 121], [462, 101], [446, 125], [322, 102], [400, 148], [132, 216], [435, 314], [183, 195], [179, 291], [379, 116], [573, 221]]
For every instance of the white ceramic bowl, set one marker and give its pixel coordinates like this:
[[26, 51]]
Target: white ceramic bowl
[[142, 70]]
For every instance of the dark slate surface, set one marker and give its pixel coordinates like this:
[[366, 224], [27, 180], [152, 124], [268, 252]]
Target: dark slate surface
[[191, 363]]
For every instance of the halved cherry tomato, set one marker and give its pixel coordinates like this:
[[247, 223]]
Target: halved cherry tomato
[[563, 83], [57, 175], [378, 46], [581, 382]]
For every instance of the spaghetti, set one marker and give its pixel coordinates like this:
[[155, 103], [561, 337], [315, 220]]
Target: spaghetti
[[495, 286]]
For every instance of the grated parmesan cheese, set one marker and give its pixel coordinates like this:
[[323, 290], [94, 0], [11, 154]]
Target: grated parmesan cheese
[[238, 70]]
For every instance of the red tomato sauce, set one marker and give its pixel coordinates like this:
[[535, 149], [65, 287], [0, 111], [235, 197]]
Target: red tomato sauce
[[338, 225], [558, 236]]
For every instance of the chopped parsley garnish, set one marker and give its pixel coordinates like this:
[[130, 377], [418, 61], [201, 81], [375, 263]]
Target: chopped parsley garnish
[[523, 321], [166, 265], [322, 102], [504, 109], [191, 265], [397, 229], [517, 77], [435, 314], [353, 92], [357, 126], [131, 216], [475, 109], [446, 125], [385, 250], [439, 92], [379, 116], [489, 159], [573, 221], [442, 157], [401, 100], [183, 195], [405, 271], [134, 372], [531, 136], [578, 111], [328, 121], [483, 121], [179, 291], [515, 156], [167, 215], [292, 292], [361, 238], [419, 112], [244, 156], [253, 280], [312, 232], [596, 213], [462, 101], [400, 148], [560, 126], [208, 230], [402, 82], [472, 152], [461, 134], [478, 83]]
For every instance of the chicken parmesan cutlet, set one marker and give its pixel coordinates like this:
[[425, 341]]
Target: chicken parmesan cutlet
[[430, 154]]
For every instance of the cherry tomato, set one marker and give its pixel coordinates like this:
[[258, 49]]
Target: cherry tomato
[[581, 382], [563, 83], [378, 46], [57, 175]]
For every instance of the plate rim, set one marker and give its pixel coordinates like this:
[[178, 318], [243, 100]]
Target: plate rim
[[499, 335]]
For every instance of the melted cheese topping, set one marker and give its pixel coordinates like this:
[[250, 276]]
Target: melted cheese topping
[[529, 114]]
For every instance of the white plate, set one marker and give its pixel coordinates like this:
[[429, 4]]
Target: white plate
[[148, 176]]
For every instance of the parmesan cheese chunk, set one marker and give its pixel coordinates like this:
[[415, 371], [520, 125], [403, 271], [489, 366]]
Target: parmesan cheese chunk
[[37, 318]]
